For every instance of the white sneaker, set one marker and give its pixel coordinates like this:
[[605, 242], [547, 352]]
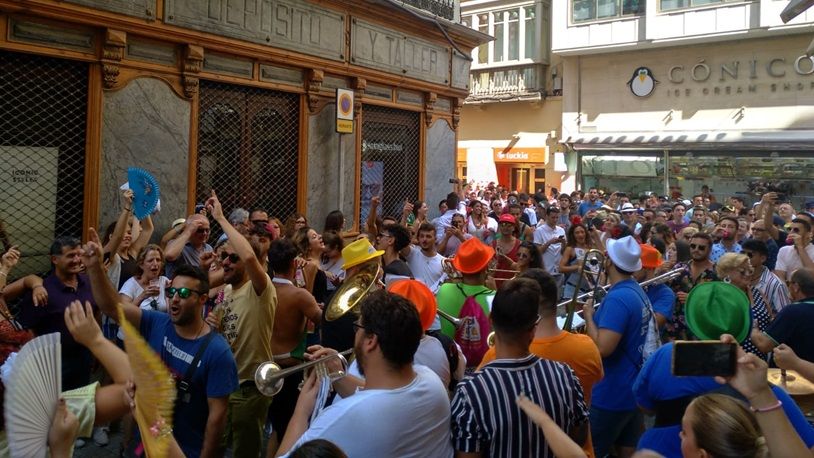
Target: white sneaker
[[100, 437], [79, 443]]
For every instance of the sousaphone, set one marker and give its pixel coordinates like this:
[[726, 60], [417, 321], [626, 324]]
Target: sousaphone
[[353, 290]]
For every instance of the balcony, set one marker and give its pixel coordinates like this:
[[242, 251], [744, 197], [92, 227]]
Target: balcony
[[442, 8], [506, 84]]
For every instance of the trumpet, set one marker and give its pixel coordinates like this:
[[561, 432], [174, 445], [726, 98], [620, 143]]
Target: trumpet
[[269, 376], [592, 256]]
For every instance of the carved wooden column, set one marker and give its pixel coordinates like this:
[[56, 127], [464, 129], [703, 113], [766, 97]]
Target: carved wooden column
[[312, 87], [456, 112], [193, 63], [112, 55], [359, 86], [429, 107]]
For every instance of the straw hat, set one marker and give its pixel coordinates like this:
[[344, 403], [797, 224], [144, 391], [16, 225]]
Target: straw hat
[[358, 252]]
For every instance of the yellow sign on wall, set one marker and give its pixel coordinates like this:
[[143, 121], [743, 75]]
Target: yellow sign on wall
[[344, 111]]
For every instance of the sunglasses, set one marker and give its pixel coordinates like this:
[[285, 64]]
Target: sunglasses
[[506, 223], [183, 293], [202, 231], [357, 326], [260, 222], [383, 235], [698, 247], [748, 254], [795, 230], [301, 221], [233, 258]]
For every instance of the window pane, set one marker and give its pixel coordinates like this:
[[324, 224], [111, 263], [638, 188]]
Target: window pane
[[531, 36], [514, 40], [584, 10], [483, 27], [607, 8], [674, 4], [633, 6], [704, 2], [499, 39], [466, 21]]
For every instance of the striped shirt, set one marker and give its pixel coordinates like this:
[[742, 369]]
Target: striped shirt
[[485, 416], [774, 291]]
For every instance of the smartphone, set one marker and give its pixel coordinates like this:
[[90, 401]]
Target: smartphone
[[704, 358], [199, 208]]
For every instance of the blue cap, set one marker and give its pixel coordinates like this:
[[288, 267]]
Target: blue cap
[[778, 221]]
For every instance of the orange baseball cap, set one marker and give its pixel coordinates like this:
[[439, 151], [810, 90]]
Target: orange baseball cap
[[651, 258], [472, 256], [418, 293]]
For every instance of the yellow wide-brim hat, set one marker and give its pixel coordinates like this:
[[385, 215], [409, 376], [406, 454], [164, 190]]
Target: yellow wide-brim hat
[[358, 252]]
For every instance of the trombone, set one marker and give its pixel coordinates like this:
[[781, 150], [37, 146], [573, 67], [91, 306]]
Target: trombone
[[592, 257], [270, 377]]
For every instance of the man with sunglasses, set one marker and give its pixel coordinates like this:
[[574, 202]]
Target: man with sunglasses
[[515, 371], [798, 253], [247, 322], [190, 245], [398, 410], [180, 337], [700, 269]]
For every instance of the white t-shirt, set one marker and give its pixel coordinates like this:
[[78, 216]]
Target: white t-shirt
[[427, 270], [412, 421], [444, 221], [430, 353], [788, 260], [551, 256], [132, 289], [491, 225]]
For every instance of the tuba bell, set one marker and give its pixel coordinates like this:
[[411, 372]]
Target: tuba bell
[[353, 290]]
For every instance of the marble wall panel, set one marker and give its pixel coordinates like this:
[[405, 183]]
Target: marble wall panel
[[324, 178], [439, 163], [145, 124]]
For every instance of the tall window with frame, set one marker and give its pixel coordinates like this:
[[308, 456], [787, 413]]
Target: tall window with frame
[[669, 5], [593, 10], [515, 32]]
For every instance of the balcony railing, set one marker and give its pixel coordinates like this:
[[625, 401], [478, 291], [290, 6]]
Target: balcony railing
[[506, 84], [443, 8]]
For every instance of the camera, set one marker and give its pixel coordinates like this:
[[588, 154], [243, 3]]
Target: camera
[[454, 180]]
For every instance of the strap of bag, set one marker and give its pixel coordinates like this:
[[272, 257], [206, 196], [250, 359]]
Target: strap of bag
[[184, 384], [461, 289]]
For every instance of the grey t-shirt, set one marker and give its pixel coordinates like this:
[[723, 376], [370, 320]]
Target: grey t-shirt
[[189, 256]]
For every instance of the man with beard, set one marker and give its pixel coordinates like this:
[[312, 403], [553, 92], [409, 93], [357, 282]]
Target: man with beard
[[400, 409], [593, 202], [700, 269], [425, 263], [199, 359], [728, 229], [798, 253], [246, 321], [64, 285]]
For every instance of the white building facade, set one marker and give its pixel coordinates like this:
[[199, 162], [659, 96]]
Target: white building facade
[[670, 95]]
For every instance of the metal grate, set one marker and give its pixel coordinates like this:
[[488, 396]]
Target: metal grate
[[43, 102], [248, 142], [390, 158]]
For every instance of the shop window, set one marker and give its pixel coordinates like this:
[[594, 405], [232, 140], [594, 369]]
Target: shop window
[[390, 159], [515, 32], [669, 5], [42, 149], [592, 10], [248, 148]]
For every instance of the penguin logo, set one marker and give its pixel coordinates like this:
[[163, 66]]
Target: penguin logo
[[642, 82]]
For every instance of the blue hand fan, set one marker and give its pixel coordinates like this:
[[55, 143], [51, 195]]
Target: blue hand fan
[[145, 191]]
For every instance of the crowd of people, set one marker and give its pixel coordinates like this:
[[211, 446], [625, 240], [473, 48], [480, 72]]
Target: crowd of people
[[458, 346]]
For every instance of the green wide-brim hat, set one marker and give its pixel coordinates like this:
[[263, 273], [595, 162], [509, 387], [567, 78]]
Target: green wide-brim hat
[[715, 308]]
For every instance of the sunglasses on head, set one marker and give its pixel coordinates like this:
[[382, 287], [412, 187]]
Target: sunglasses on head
[[698, 247], [233, 258], [183, 293]]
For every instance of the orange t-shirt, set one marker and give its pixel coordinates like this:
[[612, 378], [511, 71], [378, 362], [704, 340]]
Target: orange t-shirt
[[577, 351]]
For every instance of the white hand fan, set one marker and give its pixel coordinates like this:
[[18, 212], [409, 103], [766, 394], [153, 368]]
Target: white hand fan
[[33, 388]]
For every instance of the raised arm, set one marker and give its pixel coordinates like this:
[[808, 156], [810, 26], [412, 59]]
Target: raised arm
[[372, 228], [143, 239], [7, 262], [112, 245], [104, 294], [176, 245], [767, 207], [257, 275]]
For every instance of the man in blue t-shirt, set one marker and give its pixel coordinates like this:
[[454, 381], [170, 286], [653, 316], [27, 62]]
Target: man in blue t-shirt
[[592, 202], [179, 337], [619, 330]]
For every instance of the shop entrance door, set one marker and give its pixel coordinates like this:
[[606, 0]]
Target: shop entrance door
[[520, 179]]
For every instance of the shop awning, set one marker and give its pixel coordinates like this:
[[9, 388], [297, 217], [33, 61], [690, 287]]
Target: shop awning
[[702, 141]]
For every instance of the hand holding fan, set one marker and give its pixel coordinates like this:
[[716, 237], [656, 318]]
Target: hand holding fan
[[33, 385], [155, 391], [145, 191]]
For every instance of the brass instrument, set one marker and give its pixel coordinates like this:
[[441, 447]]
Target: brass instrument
[[353, 289], [663, 278], [269, 376], [591, 257], [456, 322]]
